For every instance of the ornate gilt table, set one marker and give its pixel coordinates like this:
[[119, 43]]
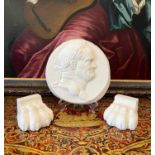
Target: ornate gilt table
[[76, 131]]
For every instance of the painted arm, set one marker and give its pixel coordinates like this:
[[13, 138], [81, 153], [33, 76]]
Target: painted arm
[[138, 5], [33, 1]]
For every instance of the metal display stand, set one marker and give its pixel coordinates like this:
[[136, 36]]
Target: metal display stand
[[63, 105]]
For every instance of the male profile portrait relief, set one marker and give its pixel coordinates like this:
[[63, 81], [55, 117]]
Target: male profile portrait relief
[[77, 67]]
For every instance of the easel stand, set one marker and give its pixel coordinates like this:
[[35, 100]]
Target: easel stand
[[63, 106]]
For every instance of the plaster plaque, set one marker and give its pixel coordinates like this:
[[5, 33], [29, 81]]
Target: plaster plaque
[[78, 72]]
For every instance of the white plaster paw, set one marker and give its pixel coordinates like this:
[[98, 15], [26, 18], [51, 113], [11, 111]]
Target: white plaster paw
[[122, 113], [32, 113]]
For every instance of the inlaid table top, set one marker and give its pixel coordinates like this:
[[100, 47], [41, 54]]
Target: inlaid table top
[[76, 131]]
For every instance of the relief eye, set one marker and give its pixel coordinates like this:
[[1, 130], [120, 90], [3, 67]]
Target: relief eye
[[89, 60]]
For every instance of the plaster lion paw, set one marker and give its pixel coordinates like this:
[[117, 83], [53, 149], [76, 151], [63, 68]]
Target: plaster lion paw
[[32, 113], [122, 113]]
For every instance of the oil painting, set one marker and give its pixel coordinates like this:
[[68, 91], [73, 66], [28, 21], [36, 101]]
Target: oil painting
[[120, 28]]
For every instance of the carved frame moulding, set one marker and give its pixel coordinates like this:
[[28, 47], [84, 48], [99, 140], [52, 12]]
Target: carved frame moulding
[[26, 86]]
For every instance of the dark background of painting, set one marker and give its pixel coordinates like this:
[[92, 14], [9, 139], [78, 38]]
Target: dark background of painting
[[14, 24]]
